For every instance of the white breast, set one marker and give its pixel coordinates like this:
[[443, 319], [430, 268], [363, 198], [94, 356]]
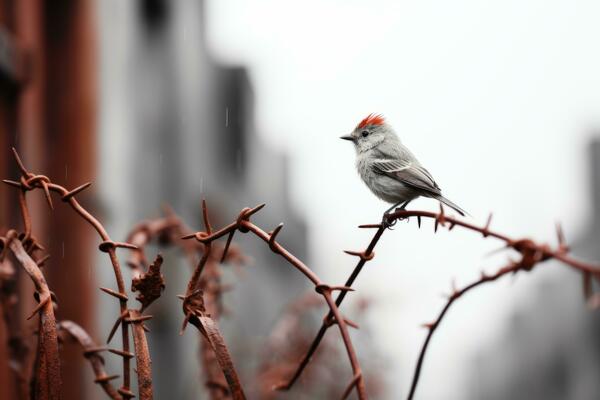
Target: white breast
[[384, 187]]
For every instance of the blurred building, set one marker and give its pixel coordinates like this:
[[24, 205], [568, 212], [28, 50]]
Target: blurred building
[[48, 113], [175, 127], [551, 349]]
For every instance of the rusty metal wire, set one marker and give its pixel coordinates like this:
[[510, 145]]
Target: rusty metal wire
[[20, 354], [456, 293], [91, 352], [202, 305], [285, 346], [47, 378], [364, 256], [531, 252], [195, 313], [243, 225], [30, 181], [206, 300]]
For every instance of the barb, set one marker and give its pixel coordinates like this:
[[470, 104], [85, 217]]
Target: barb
[[520, 245], [47, 382], [30, 181], [456, 294], [142, 354], [91, 351], [243, 224], [150, 285], [167, 231], [284, 345], [531, 254], [229, 238], [195, 313], [202, 301], [365, 256], [523, 246], [193, 307], [19, 352]]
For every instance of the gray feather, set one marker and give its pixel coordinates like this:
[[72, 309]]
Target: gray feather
[[409, 174]]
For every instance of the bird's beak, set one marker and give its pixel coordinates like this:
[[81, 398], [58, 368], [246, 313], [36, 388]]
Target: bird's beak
[[347, 137]]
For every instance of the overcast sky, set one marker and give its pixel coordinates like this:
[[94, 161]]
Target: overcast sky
[[497, 99]]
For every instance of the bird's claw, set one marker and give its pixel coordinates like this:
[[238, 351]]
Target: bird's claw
[[385, 221]]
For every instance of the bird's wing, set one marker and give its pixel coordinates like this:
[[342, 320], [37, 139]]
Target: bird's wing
[[409, 173]]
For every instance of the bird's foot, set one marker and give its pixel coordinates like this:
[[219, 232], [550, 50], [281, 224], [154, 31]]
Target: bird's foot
[[386, 222]]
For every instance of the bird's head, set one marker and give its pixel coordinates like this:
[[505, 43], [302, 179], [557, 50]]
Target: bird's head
[[370, 133]]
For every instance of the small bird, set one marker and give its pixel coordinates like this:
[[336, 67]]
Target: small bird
[[388, 168]]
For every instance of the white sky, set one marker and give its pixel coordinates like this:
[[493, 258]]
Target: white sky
[[498, 99]]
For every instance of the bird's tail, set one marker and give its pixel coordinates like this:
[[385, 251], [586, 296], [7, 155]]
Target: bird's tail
[[451, 205]]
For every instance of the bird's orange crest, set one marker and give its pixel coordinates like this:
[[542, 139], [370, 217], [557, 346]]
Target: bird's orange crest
[[372, 119]]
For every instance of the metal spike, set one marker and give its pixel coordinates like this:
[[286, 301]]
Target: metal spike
[[41, 305], [20, 163], [114, 293], [75, 191], [227, 244], [12, 183], [47, 194]]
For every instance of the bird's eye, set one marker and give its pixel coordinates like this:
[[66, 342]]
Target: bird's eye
[[364, 133]]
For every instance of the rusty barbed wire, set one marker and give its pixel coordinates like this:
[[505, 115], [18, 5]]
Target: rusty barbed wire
[[195, 313], [364, 256], [30, 181], [531, 254], [206, 301], [91, 351], [19, 349], [530, 251], [202, 306], [455, 294], [243, 225], [47, 377], [287, 341]]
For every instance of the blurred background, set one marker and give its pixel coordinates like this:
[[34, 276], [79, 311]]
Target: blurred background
[[243, 102]]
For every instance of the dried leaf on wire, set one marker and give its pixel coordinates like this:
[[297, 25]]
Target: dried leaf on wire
[[149, 284]]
